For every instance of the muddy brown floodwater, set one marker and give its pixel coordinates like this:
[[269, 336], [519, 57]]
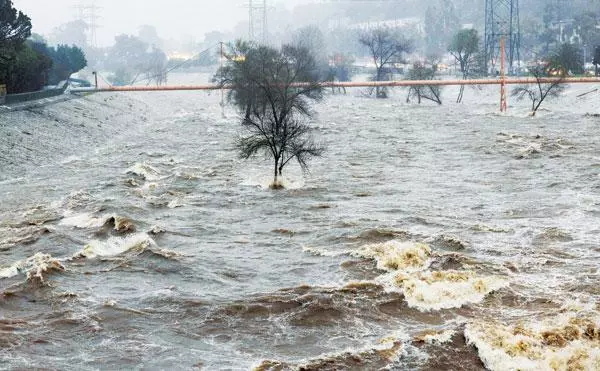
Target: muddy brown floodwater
[[427, 237]]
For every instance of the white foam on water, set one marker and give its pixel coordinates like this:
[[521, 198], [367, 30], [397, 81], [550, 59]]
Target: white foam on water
[[33, 267], [322, 252], [175, 203], [12, 271], [266, 182], [84, 220], [89, 221], [395, 256], [116, 245], [569, 340], [145, 171], [436, 337], [427, 291]]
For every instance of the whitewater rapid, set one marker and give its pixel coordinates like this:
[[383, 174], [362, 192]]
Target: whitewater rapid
[[427, 237]]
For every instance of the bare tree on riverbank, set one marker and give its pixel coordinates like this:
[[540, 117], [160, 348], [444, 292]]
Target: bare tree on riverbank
[[274, 112], [541, 90], [386, 47]]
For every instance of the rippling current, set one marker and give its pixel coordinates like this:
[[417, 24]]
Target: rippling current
[[450, 237]]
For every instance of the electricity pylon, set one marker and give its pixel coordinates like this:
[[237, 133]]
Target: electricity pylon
[[89, 13], [502, 21], [258, 25]]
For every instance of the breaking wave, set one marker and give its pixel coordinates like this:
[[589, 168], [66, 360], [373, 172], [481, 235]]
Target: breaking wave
[[88, 221], [380, 356], [144, 171], [437, 290], [435, 337], [570, 340], [35, 267], [398, 256], [427, 280], [116, 246]]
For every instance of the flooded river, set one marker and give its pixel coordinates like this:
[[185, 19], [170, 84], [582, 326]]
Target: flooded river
[[450, 237]]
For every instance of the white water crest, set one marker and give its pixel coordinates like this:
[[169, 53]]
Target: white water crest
[[145, 171], [301, 275], [84, 220], [569, 340], [436, 337], [438, 290], [398, 256], [116, 245], [34, 267]]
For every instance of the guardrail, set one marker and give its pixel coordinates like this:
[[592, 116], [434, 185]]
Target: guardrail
[[2, 94]]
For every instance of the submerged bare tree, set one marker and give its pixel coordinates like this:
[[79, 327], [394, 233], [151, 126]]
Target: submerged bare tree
[[275, 109], [542, 89], [423, 92], [387, 47]]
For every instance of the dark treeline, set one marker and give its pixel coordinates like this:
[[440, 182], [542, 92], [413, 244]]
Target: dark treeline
[[28, 64]]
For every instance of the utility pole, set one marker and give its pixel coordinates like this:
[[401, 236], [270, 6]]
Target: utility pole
[[503, 98], [502, 20], [222, 92]]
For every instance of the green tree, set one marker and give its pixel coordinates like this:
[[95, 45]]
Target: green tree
[[569, 58], [423, 92], [464, 48], [15, 28], [28, 71], [67, 61], [274, 108]]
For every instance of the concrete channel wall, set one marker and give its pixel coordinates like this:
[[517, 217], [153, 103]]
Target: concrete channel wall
[[25, 97]]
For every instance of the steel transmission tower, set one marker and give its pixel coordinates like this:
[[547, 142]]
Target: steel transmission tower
[[258, 30], [502, 22], [89, 13]]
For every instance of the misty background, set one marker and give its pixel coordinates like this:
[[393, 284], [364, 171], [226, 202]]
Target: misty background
[[116, 35]]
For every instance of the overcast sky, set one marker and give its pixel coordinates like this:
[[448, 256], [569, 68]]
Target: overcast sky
[[172, 18]]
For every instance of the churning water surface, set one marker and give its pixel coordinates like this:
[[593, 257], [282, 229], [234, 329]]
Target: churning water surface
[[450, 237]]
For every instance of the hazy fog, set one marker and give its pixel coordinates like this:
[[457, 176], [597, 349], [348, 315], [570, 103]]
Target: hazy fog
[[175, 19]]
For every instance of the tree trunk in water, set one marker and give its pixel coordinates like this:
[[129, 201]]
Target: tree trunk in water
[[460, 94], [276, 184], [377, 88]]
